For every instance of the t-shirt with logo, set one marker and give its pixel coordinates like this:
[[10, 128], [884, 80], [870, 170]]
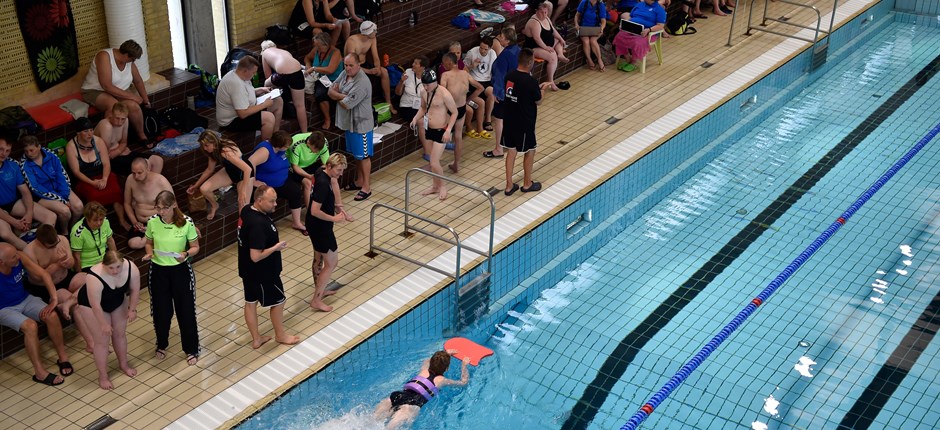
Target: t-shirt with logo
[[167, 237], [90, 244], [12, 292], [10, 178], [522, 92], [257, 231], [482, 72], [300, 155]]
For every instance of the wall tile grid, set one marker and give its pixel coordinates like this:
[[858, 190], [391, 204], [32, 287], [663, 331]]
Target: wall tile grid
[[624, 197]]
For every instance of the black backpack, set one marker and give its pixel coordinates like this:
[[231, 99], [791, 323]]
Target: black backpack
[[231, 60], [183, 119], [279, 34], [152, 123], [368, 8], [680, 24]]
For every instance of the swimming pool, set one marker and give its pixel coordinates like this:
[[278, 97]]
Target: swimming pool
[[553, 348]]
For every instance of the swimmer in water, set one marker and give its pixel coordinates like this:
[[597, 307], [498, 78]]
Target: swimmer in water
[[403, 406]]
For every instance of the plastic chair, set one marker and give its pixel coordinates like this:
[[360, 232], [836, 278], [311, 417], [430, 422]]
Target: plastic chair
[[657, 46]]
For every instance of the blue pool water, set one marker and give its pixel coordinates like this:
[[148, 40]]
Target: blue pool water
[[547, 353]]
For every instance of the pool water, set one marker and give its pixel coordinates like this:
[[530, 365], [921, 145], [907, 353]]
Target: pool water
[[803, 360]]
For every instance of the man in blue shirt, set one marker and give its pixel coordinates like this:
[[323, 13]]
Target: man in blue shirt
[[16, 214], [19, 311], [506, 61]]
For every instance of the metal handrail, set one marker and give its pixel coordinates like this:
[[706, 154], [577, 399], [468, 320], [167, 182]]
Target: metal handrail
[[373, 247], [489, 252], [817, 29]]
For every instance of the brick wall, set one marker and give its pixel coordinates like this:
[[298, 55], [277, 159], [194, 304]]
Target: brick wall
[[248, 18], [19, 86]]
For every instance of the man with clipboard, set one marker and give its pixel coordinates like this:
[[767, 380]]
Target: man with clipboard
[[632, 42]]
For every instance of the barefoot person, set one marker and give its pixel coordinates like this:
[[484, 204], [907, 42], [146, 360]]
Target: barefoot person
[[438, 104], [93, 180], [282, 70], [321, 214], [543, 39], [273, 168], [106, 309], [51, 251], [403, 406], [236, 170], [109, 81], [140, 191], [457, 81], [259, 266], [365, 48], [171, 241], [113, 129], [20, 311]]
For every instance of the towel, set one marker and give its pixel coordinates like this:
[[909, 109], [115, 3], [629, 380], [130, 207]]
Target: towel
[[484, 16]]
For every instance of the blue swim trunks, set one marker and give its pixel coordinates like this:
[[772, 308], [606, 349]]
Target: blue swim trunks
[[359, 144]]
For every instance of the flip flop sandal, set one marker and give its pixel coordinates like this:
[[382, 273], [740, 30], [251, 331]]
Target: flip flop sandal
[[490, 154], [192, 359], [486, 135], [626, 67], [472, 133], [488, 126], [360, 196], [65, 368], [49, 380], [352, 187], [302, 231]]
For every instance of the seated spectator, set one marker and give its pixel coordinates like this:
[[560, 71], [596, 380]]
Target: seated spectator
[[480, 60], [51, 251], [49, 183], [719, 7], [109, 81], [456, 49], [16, 214], [543, 39], [282, 70], [20, 311], [272, 169], [325, 60], [362, 45], [410, 100], [140, 191], [313, 17], [306, 154], [236, 103], [90, 166], [556, 7], [113, 129], [236, 170], [591, 14], [91, 236], [105, 308], [630, 47]]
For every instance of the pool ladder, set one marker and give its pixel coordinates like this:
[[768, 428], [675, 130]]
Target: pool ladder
[[472, 296], [820, 45]]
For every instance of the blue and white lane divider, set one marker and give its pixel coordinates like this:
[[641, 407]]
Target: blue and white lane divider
[[725, 332]]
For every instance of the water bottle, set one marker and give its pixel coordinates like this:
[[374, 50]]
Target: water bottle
[[472, 104], [413, 19]]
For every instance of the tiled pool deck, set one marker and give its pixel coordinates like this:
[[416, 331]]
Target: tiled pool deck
[[573, 135]]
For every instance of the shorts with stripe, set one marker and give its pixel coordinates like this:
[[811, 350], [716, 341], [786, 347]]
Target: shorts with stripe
[[267, 292], [359, 144]]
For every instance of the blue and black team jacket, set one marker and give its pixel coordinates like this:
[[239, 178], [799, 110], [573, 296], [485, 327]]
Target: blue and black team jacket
[[49, 181]]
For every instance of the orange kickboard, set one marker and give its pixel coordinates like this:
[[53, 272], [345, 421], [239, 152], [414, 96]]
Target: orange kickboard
[[468, 348]]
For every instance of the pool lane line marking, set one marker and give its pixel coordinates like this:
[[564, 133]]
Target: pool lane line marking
[[613, 368]]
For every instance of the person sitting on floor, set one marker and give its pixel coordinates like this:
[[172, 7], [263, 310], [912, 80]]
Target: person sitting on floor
[[365, 47], [325, 60], [113, 129], [312, 17], [282, 70], [20, 311], [236, 170], [403, 406], [109, 80], [236, 102], [630, 47], [140, 191], [49, 182], [88, 161]]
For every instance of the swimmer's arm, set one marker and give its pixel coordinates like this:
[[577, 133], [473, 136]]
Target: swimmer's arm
[[464, 376]]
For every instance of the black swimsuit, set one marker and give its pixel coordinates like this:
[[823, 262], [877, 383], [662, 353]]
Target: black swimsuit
[[547, 36], [111, 298], [409, 397], [234, 173]]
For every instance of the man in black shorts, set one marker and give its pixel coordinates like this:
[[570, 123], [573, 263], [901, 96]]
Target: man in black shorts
[[520, 107], [236, 102], [321, 214], [259, 266]]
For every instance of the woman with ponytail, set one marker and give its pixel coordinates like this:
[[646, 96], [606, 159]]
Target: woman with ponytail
[[171, 241]]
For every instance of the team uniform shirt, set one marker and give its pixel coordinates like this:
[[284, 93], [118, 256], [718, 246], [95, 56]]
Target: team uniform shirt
[[482, 72], [257, 231], [300, 155], [49, 180], [648, 15], [233, 93], [12, 292], [322, 193], [91, 245], [591, 14], [10, 178], [522, 92], [169, 238]]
